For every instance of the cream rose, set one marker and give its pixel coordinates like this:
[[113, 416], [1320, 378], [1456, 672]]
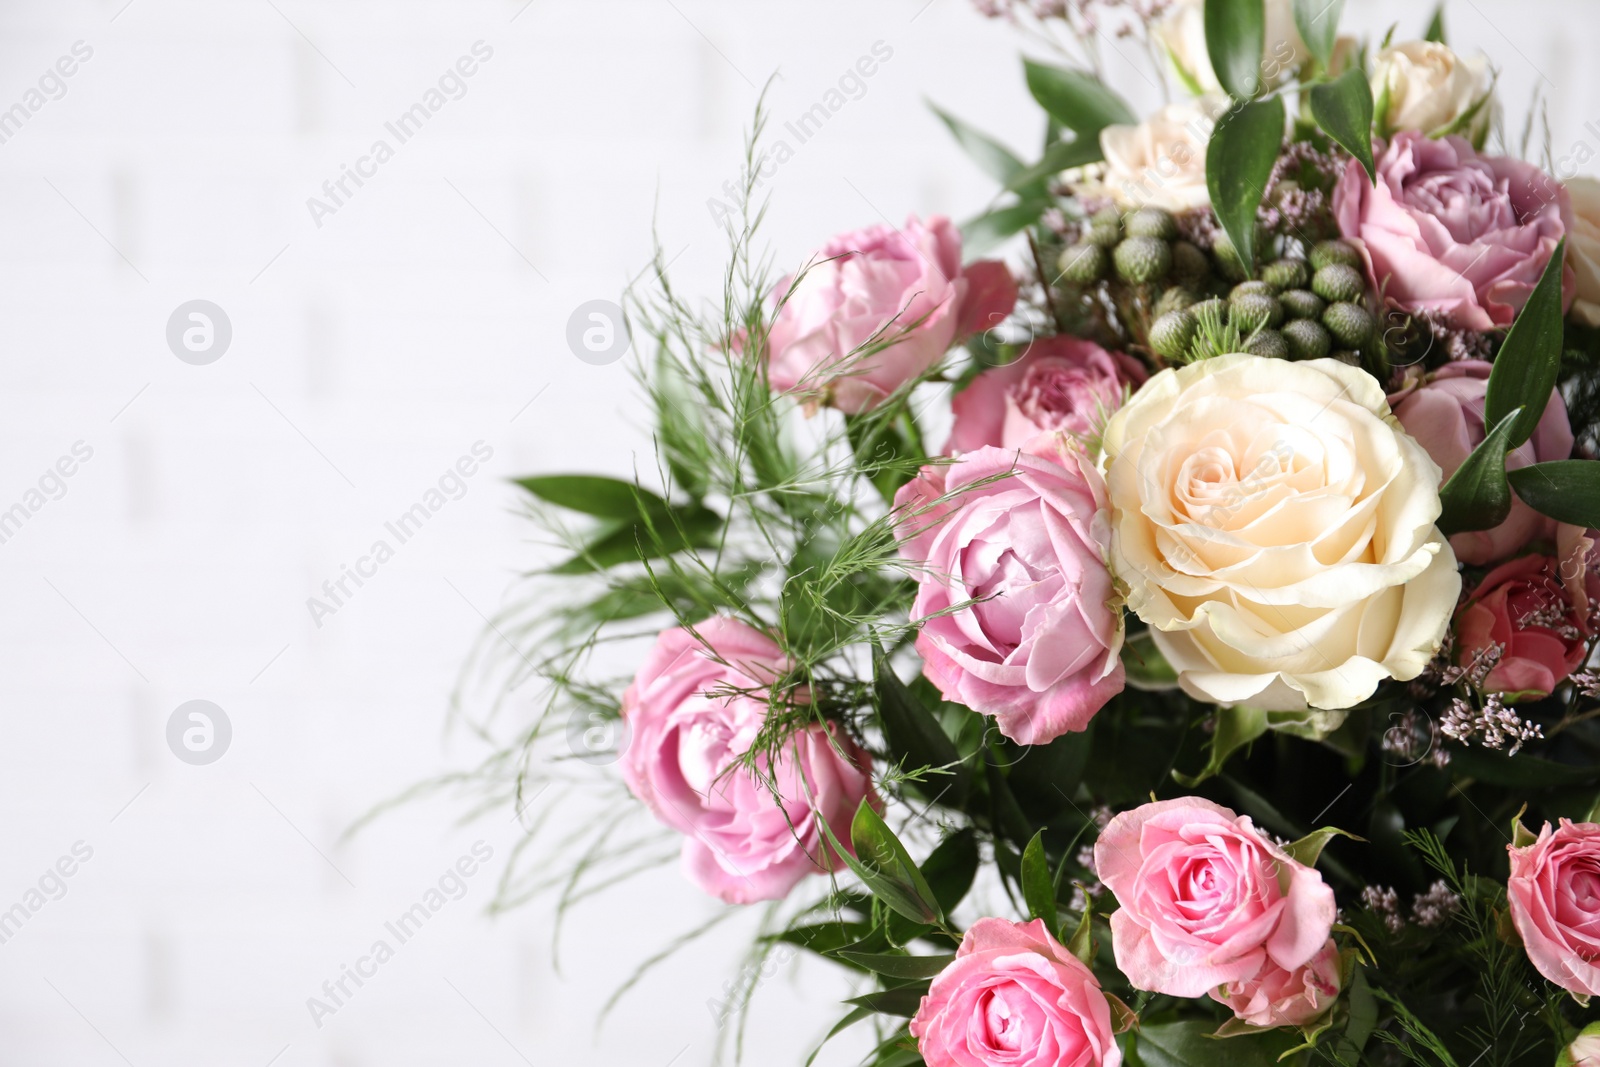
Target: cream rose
[[1583, 248], [1182, 33], [1424, 86], [1162, 161], [1275, 528]]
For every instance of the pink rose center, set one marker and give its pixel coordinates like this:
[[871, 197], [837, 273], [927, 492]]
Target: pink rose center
[[1578, 897], [1001, 566], [1468, 199], [1055, 395]]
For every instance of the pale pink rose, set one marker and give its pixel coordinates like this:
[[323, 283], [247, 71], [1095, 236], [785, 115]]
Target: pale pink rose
[[1445, 415], [1023, 535], [1523, 609], [1014, 997], [1554, 893], [878, 308], [1206, 899], [1449, 230], [1279, 997], [1060, 383], [694, 708], [1584, 1050]]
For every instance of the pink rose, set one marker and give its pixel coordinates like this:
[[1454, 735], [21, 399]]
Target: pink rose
[[695, 707], [1059, 383], [1580, 572], [1015, 997], [1205, 900], [1022, 536], [1448, 230], [1279, 997], [1445, 415], [1523, 610], [1554, 893], [878, 308]]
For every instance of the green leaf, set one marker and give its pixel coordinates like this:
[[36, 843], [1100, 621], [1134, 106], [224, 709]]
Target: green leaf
[[1309, 848], [1081, 944], [1239, 160], [690, 527], [984, 233], [1436, 26], [1528, 363], [1519, 772], [679, 529], [1038, 886], [1318, 23], [916, 738], [901, 1000], [1236, 37], [1080, 102], [951, 867], [1063, 155], [1477, 496], [1190, 1044], [606, 498], [883, 863], [1236, 727], [1567, 490], [992, 157], [1343, 108], [898, 965], [1009, 818]]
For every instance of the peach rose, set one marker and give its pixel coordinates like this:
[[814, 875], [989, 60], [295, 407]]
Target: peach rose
[[1275, 527], [1281, 997]]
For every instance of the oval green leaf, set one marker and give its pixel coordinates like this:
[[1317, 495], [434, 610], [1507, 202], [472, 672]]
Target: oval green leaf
[[1528, 363], [1567, 490], [1079, 102], [1236, 37], [1239, 161], [1318, 23], [1477, 496], [1343, 108]]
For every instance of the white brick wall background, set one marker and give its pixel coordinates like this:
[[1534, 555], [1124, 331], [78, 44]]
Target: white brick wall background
[[368, 354]]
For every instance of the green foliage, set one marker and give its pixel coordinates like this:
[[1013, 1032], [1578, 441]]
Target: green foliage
[[1239, 161], [1529, 362], [1079, 102], [1477, 496], [1318, 23], [1567, 490], [1343, 108], [1236, 36]]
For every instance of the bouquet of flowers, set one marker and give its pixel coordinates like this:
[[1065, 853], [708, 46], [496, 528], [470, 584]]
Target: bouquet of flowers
[[1169, 645]]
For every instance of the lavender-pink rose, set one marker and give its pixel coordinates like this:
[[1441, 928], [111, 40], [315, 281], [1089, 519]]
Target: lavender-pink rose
[[1060, 383], [1450, 231], [1445, 414], [1013, 591], [878, 308]]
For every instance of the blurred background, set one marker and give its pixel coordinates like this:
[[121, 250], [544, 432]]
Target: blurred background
[[176, 490]]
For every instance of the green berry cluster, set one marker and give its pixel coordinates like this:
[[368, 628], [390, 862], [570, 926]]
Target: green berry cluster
[[1298, 309], [1141, 248]]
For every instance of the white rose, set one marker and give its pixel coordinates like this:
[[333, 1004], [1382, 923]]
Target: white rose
[[1162, 161], [1583, 248], [1424, 86], [1182, 33], [1275, 528]]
